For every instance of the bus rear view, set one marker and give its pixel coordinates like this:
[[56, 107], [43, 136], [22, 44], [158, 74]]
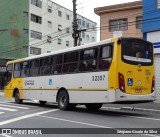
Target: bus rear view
[[135, 70]]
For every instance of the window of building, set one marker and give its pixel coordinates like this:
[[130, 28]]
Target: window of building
[[36, 35], [67, 43], [93, 39], [118, 25], [25, 31], [49, 39], [158, 3], [70, 62], [87, 25], [56, 64], [79, 21], [37, 3], [49, 9], [83, 34], [45, 66], [35, 51], [34, 67], [87, 37], [59, 13], [88, 59], [139, 22], [49, 24], [25, 69], [25, 14], [105, 57], [36, 19], [59, 27], [48, 51], [17, 70], [83, 23], [67, 17], [67, 30], [59, 41]]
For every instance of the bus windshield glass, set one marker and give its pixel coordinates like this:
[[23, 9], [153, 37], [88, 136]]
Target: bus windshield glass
[[135, 51]]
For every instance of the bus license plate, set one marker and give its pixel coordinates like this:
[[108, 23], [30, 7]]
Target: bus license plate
[[138, 90]]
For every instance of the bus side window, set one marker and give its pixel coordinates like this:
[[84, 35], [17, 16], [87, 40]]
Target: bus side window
[[105, 57], [17, 70], [70, 62], [25, 69], [56, 64], [88, 60], [34, 67], [45, 66]]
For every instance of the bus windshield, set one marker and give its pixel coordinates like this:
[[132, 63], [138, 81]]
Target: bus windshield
[[136, 51]]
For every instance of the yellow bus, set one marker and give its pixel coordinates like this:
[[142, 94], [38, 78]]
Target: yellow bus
[[112, 70]]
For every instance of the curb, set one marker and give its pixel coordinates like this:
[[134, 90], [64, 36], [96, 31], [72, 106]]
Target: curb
[[141, 109]]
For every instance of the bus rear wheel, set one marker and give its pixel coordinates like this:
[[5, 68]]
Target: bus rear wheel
[[63, 100], [17, 98], [94, 106]]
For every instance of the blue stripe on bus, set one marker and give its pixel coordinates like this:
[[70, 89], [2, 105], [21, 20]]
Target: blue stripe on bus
[[156, 43], [157, 46]]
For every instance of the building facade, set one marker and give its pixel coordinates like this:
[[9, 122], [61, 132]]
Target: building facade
[[39, 26], [151, 32], [120, 20]]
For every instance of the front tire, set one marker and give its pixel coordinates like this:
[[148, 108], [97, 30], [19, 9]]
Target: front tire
[[17, 98], [63, 100], [94, 106]]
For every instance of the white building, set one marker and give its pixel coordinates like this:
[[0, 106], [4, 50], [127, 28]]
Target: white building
[[50, 27]]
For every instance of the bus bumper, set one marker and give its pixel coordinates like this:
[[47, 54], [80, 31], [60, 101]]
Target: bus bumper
[[120, 96]]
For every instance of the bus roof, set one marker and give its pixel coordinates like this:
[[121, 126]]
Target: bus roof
[[63, 50]]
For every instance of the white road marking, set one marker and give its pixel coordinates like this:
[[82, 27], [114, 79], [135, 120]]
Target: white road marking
[[5, 135], [11, 106], [12, 103], [150, 135], [26, 116], [71, 121], [8, 109], [143, 118], [1, 112]]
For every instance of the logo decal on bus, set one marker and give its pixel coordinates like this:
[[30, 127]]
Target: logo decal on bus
[[130, 81], [50, 81]]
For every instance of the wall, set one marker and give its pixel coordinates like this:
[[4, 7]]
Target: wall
[[130, 14], [13, 41]]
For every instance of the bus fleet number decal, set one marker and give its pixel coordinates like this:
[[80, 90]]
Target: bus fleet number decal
[[98, 78]]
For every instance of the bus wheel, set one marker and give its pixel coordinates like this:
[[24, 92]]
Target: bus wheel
[[63, 100], [17, 98], [42, 102], [94, 107]]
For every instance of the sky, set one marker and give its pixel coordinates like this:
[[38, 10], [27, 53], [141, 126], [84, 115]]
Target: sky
[[86, 8]]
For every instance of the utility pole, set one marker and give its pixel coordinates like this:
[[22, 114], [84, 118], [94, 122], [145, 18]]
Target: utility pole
[[75, 34]]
